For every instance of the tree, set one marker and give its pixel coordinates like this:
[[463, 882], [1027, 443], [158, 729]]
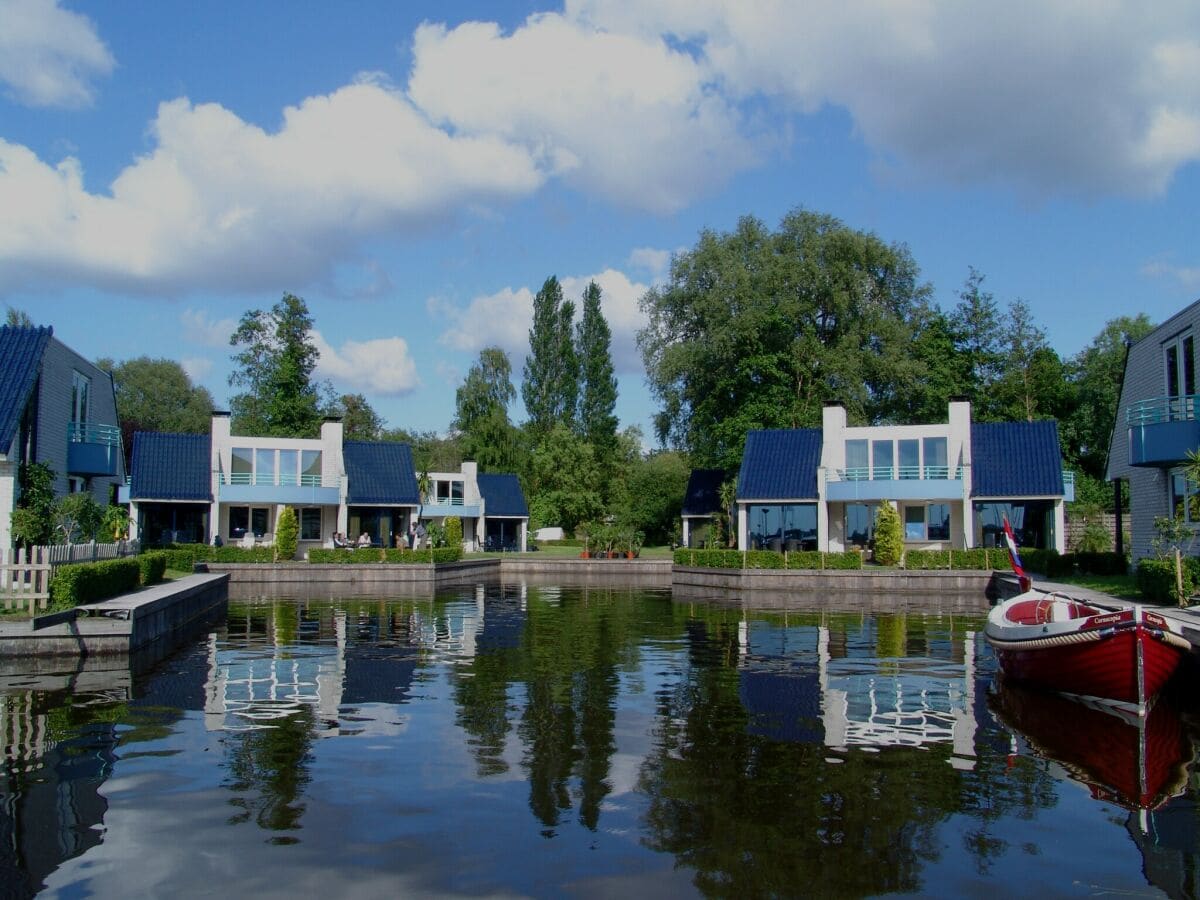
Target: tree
[[979, 336], [1032, 382], [563, 480], [550, 385], [431, 451], [360, 422], [757, 328], [157, 395], [33, 520], [275, 366], [598, 383], [77, 518], [287, 534], [481, 417], [657, 484], [17, 318], [889, 535]]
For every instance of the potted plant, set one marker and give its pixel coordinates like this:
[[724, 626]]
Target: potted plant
[[585, 532], [633, 542], [609, 539]]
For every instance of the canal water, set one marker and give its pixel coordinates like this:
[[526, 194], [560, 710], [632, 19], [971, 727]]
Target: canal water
[[521, 740]]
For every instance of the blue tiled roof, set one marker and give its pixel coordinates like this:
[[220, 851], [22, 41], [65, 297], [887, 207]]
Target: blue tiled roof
[[171, 467], [780, 465], [1015, 459], [502, 496], [703, 487], [379, 473], [21, 352]]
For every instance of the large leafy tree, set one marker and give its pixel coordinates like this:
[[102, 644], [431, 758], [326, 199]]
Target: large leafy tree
[[598, 383], [274, 365], [563, 480], [157, 395], [481, 412], [360, 422], [1032, 382], [757, 328], [550, 386], [431, 451]]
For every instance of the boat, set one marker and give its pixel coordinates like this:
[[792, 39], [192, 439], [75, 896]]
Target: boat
[[1137, 762], [1121, 657]]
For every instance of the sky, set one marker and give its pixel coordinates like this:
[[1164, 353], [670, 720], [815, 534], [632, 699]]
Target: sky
[[415, 171]]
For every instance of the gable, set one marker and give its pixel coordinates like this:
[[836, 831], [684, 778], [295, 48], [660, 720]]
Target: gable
[[1016, 459], [171, 467], [780, 464], [21, 351], [379, 473], [502, 496]]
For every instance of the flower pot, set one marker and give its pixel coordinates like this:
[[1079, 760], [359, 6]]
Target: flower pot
[[630, 554], [585, 555]]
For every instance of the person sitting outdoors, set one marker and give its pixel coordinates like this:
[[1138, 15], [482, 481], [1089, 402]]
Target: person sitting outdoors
[[364, 540]]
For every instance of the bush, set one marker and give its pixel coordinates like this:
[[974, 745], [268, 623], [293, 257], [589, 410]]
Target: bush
[[287, 535], [975, 558], [805, 559], [1102, 563], [889, 536], [372, 555], [78, 584], [709, 559], [927, 559], [454, 531], [1156, 579], [763, 559], [152, 565], [850, 560]]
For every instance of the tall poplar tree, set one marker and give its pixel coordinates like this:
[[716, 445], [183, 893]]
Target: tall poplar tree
[[275, 366], [598, 383], [550, 387]]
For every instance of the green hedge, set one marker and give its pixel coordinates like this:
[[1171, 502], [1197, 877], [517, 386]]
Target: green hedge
[[152, 565], [1156, 579], [77, 584], [370, 555], [183, 557], [977, 558], [767, 559]]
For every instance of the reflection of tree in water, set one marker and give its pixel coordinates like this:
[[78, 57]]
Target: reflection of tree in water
[[754, 816], [270, 770]]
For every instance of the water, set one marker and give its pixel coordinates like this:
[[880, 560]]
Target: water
[[547, 741]]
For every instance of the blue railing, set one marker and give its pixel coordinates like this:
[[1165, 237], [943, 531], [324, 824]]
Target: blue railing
[[1162, 409], [90, 433], [272, 480], [893, 473]]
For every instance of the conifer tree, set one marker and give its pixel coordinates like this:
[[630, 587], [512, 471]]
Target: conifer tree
[[598, 384], [550, 387]]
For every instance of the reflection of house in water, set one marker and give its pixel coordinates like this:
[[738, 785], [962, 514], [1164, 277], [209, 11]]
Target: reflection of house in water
[[1169, 841], [362, 655], [798, 685]]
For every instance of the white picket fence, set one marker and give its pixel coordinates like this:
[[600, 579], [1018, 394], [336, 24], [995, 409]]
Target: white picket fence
[[25, 573]]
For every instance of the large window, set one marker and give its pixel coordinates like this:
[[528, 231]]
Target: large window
[[1185, 498], [449, 492], [81, 389], [1032, 523], [264, 463], [289, 463], [241, 465], [881, 460], [248, 518], [935, 458], [858, 462], [860, 523], [310, 467], [267, 465], [310, 523], [910, 458], [783, 526], [927, 523]]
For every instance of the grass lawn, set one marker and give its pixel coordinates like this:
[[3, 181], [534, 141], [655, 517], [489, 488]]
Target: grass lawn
[[1123, 587]]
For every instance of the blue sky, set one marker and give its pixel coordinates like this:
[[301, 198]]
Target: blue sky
[[415, 171]]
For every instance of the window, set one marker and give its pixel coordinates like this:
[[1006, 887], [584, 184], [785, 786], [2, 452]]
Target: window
[[1179, 364], [1185, 499], [860, 523], [289, 460], [247, 518], [81, 388], [310, 467], [910, 458], [881, 460], [783, 526], [935, 458], [310, 523], [857, 462], [927, 523], [264, 462], [241, 465], [1032, 522]]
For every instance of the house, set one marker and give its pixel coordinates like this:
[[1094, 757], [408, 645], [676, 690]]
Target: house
[[1156, 426], [58, 409], [195, 488], [952, 483], [701, 501]]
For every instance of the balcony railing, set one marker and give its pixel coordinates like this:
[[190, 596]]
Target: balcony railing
[[91, 433], [1157, 410], [279, 480], [893, 473]]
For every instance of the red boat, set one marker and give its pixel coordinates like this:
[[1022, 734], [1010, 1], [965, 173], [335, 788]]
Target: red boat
[[1122, 657], [1138, 762]]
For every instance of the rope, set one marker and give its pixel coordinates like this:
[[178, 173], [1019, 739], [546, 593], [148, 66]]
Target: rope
[[1058, 640], [1174, 640]]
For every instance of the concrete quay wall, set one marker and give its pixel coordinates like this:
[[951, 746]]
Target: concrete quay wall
[[120, 625]]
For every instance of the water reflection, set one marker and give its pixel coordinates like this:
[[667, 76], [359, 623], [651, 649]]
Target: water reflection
[[480, 742]]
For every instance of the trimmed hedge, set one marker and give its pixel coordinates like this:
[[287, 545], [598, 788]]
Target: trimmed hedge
[[183, 557], [78, 584], [152, 565], [767, 559], [370, 555], [1156, 579], [976, 559]]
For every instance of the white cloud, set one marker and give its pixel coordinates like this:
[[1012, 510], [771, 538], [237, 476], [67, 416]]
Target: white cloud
[[1052, 97], [221, 203], [48, 55], [503, 319], [621, 115], [657, 263], [200, 328], [381, 366], [197, 368], [1187, 277]]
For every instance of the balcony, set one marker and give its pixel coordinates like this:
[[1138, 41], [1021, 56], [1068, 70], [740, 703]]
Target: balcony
[[449, 506], [93, 450], [293, 490], [894, 483], [1162, 430]]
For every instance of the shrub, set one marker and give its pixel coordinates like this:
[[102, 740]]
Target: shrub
[[805, 559], [1102, 563], [975, 558], [454, 531], [152, 565], [709, 559], [287, 535], [372, 555], [889, 536], [763, 559], [850, 560], [927, 559], [1156, 579], [78, 584]]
